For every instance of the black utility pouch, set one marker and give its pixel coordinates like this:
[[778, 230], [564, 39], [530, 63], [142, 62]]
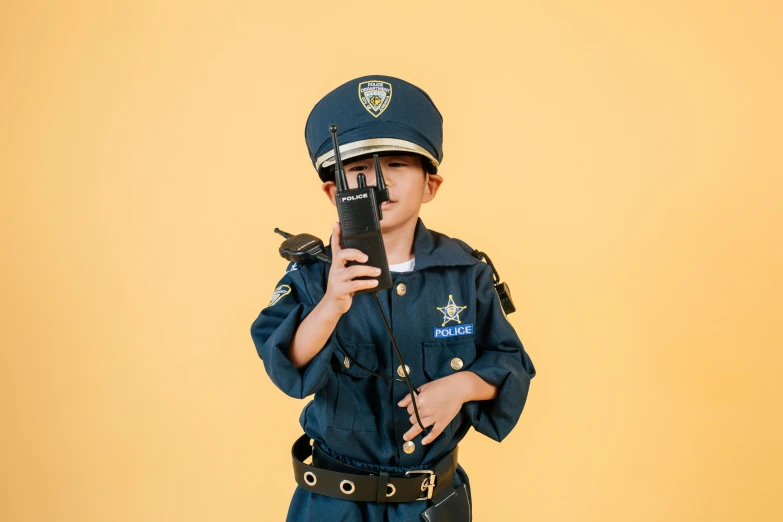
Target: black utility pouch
[[453, 508]]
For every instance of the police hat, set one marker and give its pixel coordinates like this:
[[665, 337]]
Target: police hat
[[374, 114]]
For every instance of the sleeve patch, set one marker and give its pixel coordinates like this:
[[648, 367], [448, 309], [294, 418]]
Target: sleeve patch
[[278, 294]]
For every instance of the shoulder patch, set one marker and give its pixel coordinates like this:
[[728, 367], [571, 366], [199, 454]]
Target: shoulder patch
[[278, 294]]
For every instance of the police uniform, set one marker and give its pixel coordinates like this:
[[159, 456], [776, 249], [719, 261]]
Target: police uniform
[[446, 318]]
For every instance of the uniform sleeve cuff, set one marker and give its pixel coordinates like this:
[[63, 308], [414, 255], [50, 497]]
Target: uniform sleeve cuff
[[496, 417], [308, 379]]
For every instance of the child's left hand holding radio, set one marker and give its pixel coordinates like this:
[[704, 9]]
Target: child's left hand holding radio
[[438, 403]]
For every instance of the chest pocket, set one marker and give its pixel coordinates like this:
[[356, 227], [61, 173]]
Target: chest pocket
[[448, 356], [351, 397]]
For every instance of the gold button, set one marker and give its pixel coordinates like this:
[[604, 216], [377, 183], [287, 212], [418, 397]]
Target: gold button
[[456, 363], [401, 289], [399, 370], [408, 447], [347, 362]]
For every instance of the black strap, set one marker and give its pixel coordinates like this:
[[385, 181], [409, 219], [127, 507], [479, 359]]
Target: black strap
[[502, 289], [383, 479], [481, 255], [326, 478]]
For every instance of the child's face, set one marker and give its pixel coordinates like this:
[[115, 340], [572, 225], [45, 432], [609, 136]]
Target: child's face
[[406, 180]]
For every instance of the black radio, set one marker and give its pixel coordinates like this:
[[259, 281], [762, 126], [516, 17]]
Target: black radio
[[359, 212]]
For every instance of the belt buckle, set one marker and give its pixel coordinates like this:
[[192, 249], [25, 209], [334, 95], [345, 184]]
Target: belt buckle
[[429, 482]]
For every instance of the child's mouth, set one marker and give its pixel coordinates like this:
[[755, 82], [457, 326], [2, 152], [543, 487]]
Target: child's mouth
[[387, 204]]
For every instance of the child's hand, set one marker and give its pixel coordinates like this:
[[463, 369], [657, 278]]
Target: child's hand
[[340, 289], [438, 403]]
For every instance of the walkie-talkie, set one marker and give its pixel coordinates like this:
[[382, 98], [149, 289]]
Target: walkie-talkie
[[359, 212]]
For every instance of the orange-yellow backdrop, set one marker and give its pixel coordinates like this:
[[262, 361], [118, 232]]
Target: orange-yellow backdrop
[[619, 161]]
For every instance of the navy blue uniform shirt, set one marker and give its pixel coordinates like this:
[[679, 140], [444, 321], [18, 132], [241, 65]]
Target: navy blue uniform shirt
[[446, 318]]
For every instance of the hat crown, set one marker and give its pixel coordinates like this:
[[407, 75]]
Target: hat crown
[[374, 113]]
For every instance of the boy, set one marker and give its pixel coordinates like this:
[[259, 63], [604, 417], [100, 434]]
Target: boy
[[371, 461]]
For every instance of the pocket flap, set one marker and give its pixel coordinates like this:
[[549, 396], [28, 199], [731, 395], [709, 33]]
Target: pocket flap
[[448, 356], [363, 353]]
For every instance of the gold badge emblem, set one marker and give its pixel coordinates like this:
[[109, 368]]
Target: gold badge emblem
[[451, 311], [375, 95], [278, 294]]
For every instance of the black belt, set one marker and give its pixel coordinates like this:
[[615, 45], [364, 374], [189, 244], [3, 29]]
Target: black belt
[[334, 478]]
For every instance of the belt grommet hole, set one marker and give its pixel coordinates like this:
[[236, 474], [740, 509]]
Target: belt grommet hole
[[390, 490], [309, 477], [347, 487]]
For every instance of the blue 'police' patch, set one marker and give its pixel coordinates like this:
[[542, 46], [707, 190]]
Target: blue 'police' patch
[[452, 331]]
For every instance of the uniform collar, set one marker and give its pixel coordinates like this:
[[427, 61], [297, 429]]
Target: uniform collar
[[432, 248]]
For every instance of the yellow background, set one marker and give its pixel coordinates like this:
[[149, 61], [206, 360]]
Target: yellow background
[[619, 161]]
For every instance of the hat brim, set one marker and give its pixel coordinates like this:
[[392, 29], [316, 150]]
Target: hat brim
[[371, 146]]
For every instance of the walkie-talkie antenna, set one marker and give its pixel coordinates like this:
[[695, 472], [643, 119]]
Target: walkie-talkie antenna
[[380, 183], [339, 173], [283, 233]]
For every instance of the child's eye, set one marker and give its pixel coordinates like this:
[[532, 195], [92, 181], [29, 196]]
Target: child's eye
[[358, 167], [396, 164]]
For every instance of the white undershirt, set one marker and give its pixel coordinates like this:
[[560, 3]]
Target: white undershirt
[[407, 266]]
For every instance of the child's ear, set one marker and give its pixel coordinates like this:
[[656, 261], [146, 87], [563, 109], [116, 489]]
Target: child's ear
[[330, 189], [431, 186]]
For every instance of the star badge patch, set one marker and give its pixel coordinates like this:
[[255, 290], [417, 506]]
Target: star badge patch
[[451, 311]]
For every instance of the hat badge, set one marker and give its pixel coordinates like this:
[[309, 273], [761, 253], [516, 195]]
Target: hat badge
[[375, 96]]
